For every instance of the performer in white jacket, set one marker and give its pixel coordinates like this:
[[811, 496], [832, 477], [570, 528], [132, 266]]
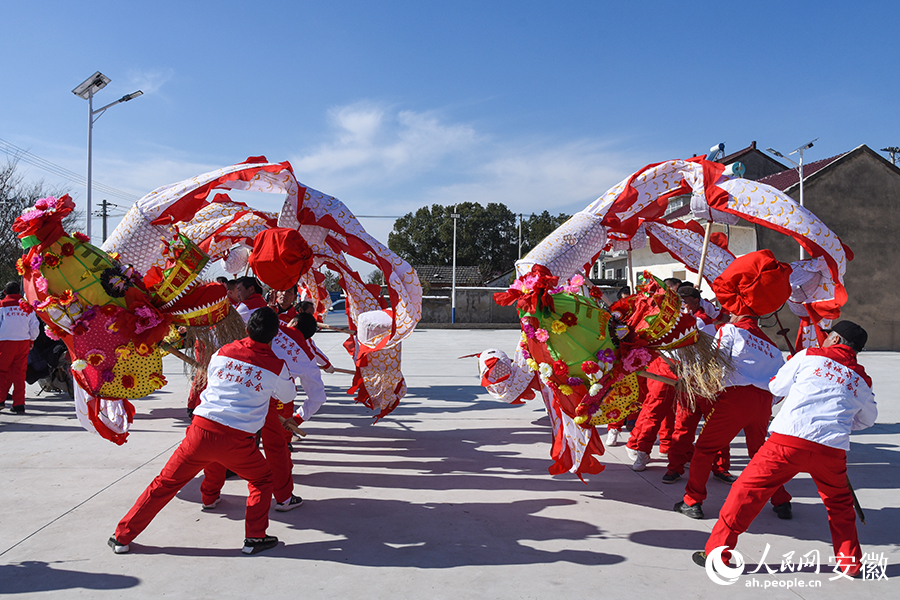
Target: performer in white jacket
[[290, 346], [243, 376], [19, 327], [827, 395]]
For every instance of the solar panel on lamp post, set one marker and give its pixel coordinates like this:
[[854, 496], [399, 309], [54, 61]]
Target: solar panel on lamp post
[[86, 90]]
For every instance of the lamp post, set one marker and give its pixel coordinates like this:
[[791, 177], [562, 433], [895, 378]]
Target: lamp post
[[799, 170], [453, 216], [86, 90]]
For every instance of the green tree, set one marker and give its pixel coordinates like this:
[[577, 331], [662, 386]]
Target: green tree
[[376, 278], [538, 226], [332, 281], [486, 237], [16, 196]]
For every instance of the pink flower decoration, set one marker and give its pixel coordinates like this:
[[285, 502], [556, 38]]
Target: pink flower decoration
[[541, 335], [529, 280], [41, 284], [30, 215], [636, 359], [147, 319]]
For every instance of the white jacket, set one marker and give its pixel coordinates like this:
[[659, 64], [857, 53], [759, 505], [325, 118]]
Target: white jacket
[[16, 324]]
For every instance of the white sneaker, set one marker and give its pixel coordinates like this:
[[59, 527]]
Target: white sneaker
[[116, 546], [612, 437], [212, 504], [640, 463], [632, 454], [289, 504]]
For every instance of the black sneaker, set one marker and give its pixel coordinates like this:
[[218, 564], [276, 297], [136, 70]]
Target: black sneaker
[[670, 477], [257, 545], [116, 546], [726, 477], [699, 558], [287, 505], [784, 511], [19, 410], [694, 512]]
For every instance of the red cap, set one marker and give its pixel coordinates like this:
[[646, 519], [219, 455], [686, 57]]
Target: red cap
[[754, 284]]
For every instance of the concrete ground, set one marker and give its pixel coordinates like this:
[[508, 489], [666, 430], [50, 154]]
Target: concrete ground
[[448, 497]]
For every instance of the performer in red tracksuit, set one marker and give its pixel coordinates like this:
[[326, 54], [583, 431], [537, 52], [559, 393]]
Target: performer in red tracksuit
[[284, 304], [300, 363], [19, 327], [243, 376], [684, 429], [827, 395], [657, 412], [746, 403]]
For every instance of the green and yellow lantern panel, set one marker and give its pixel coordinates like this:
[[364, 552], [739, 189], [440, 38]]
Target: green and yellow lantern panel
[[86, 270]]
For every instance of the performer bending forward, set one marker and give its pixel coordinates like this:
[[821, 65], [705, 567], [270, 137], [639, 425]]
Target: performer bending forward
[[243, 376], [828, 395]]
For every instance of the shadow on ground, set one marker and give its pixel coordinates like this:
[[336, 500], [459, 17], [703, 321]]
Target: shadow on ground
[[36, 576]]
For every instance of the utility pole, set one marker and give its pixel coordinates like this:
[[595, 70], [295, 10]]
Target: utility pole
[[520, 236], [455, 216], [103, 214], [894, 151]]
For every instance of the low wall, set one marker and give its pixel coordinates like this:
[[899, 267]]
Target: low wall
[[476, 305], [473, 305]]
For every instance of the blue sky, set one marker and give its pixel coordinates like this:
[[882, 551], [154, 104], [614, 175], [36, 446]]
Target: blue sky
[[394, 105]]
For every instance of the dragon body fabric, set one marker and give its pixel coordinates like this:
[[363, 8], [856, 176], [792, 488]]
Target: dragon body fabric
[[584, 357], [114, 305]]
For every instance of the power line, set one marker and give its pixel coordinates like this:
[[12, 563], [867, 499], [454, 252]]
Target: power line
[[32, 159]]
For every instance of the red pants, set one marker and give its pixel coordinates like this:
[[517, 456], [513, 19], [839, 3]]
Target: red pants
[[744, 407], [13, 365], [206, 442], [681, 448], [776, 463], [278, 456], [657, 416]]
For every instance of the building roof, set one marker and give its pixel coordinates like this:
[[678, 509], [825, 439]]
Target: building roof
[[736, 156], [439, 276], [790, 177]]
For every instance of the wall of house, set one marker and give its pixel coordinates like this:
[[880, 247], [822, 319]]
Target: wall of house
[[858, 197]]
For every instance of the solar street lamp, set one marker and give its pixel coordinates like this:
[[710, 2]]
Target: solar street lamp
[[799, 170], [86, 90]]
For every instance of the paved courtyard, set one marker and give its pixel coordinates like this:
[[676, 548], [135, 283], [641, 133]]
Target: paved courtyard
[[448, 497]]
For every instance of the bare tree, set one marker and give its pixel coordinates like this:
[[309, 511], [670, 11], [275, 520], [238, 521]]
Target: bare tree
[[15, 196]]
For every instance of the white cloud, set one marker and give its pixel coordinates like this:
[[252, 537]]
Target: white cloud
[[372, 146], [388, 161], [542, 176], [150, 81]]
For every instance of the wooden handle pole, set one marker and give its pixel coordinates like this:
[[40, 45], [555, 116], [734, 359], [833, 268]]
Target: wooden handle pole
[[292, 427], [177, 354], [347, 371], [703, 254], [659, 378]]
